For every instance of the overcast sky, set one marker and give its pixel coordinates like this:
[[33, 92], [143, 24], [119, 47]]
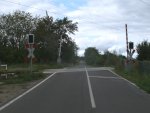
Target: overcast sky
[[101, 22]]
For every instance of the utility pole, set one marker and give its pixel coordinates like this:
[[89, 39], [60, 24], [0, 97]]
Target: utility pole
[[48, 18], [60, 44], [127, 40], [59, 51]]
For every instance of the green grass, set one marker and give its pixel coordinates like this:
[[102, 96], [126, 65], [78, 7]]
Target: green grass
[[35, 67], [23, 78], [41, 67], [22, 72], [140, 79]]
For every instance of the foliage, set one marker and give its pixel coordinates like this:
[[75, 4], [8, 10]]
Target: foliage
[[140, 79], [112, 59], [91, 56], [47, 31], [143, 50], [24, 77], [139, 70], [49, 39], [22, 73], [14, 28]]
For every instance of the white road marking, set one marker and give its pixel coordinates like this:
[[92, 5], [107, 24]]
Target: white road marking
[[122, 77], [75, 69], [90, 90], [105, 77], [12, 101]]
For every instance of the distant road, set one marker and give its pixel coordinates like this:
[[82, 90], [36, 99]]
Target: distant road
[[81, 90]]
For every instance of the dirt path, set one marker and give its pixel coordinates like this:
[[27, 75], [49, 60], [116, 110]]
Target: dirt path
[[10, 91]]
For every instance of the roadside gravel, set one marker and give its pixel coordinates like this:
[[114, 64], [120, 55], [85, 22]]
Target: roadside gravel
[[10, 91]]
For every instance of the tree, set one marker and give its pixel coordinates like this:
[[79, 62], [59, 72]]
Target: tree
[[46, 40], [64, 26], [91, 56], [111, 59], [143, 50], [69, 51], [14, 28], [48, 34]]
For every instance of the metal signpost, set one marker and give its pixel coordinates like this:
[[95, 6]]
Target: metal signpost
[[31, 49]]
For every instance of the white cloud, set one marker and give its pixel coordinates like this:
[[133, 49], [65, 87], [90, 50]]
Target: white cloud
[[101, 22]]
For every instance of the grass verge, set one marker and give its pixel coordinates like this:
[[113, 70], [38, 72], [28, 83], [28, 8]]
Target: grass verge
[[142, 80], [23, 75]]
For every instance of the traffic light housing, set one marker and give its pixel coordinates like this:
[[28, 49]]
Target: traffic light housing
[[31, 39], [131, 45]]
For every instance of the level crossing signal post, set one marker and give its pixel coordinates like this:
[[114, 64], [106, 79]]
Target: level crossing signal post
[[131, 51], [30, 38], [129, 46]]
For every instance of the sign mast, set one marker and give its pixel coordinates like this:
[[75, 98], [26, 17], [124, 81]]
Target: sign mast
[[31, 49]]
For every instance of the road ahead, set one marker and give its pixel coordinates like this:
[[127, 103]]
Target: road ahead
[[84, 90]]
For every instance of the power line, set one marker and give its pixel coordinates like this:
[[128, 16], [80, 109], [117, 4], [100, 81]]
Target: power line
[[26, 6]]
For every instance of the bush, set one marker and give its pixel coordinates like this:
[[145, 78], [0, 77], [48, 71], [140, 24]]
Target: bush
[[23, 77]]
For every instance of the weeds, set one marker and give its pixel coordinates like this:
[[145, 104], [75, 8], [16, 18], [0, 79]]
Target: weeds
[[23, 77], [140, 79], [22, 73]]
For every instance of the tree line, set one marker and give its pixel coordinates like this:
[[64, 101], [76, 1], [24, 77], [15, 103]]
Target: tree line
[[15, 26], [93, 57]]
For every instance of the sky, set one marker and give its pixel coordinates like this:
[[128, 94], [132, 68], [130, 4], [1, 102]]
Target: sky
[[101, 23]]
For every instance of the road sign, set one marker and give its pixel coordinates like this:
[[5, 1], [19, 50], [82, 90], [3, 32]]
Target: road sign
[[130, 54], [31, 50], [30, 47], [31, 55]]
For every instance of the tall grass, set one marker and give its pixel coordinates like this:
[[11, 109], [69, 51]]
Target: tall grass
[[136, 75], [24, 77]]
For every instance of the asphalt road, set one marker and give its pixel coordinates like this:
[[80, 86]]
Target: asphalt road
[[82, 91]]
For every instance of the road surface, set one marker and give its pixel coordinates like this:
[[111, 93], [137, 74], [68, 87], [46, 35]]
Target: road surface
[[81, 90]]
